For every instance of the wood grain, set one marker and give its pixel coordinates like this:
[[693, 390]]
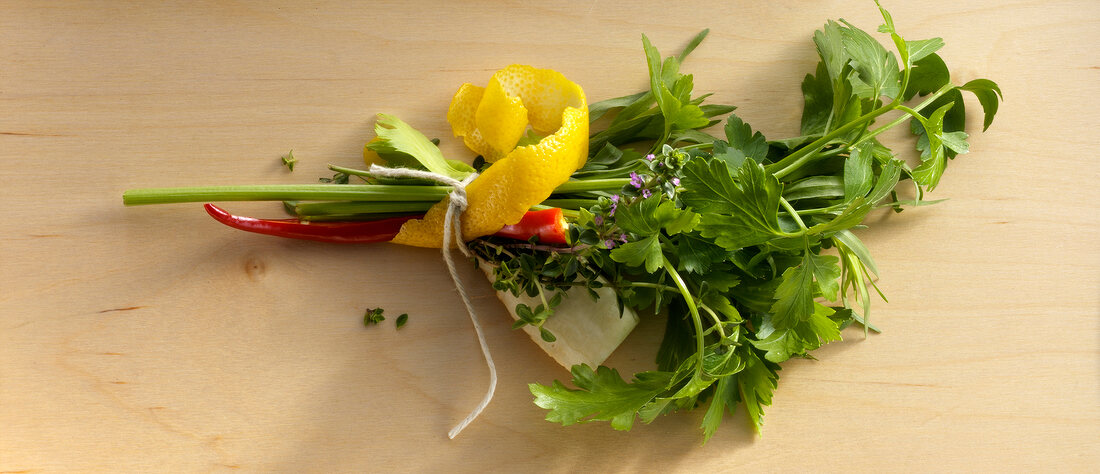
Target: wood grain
[[151, 339]]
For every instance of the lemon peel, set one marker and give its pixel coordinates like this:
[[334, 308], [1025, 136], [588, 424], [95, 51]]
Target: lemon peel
[[491, 120]]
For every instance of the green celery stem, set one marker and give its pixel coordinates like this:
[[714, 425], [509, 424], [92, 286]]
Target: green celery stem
[[327, 192], [282, 192]]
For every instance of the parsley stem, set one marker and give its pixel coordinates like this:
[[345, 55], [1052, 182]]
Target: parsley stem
[[717, 320], [655, 286], [700, 346], [794, 214]]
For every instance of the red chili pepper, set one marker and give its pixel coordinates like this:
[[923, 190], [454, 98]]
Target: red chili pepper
[[548, 224], [381, 230]]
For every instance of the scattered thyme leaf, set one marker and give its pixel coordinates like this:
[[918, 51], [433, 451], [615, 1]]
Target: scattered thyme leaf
[[289, 160]]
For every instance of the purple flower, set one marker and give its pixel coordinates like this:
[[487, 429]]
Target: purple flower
[[598, 219], [636, 180], [622, 238], [675, 181], [613, 207], [610, 244], [646, 193], [615, 198], [650, 157]]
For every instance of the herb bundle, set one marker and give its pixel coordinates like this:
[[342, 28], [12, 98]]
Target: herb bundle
[[744, 242]]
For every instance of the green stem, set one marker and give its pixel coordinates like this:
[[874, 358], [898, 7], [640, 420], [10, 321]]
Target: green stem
[[353, 207], [700, 346], [917, 108], [327, 192], [353, 217], [284, 192], [350, 171], [794, 214], [570, 203], [568, 213], [697, 146], [655, 286], [793, 161], [580, 186], [717, 320]]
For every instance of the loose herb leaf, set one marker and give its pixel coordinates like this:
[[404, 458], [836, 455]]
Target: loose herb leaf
[[373, 316], [602, 395], [289, 160]]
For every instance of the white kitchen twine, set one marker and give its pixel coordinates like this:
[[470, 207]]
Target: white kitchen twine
[[452, 226]]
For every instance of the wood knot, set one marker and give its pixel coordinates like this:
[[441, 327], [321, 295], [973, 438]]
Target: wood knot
[[254, 268]]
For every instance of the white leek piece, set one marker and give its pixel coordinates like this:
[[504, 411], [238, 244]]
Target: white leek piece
[[587, 331]]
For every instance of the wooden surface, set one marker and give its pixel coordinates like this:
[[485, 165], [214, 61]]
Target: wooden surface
[[153, 339]]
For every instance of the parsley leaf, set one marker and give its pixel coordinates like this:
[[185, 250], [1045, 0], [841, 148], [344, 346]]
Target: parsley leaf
[[735, 213], [646, 252], [742, 143], [756, 384], [799, 337], [602, 395], [799, 284]]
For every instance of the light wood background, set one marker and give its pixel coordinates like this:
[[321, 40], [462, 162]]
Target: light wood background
[[153, 339]]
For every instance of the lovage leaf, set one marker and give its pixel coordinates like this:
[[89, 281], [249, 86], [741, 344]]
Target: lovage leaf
[[817, 92], [858, 175], [911, 51], [926, 76], [988, 93], [830, 46], [876, 67], [930, 171]]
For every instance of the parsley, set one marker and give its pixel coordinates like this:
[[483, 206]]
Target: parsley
[[728, 235]]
